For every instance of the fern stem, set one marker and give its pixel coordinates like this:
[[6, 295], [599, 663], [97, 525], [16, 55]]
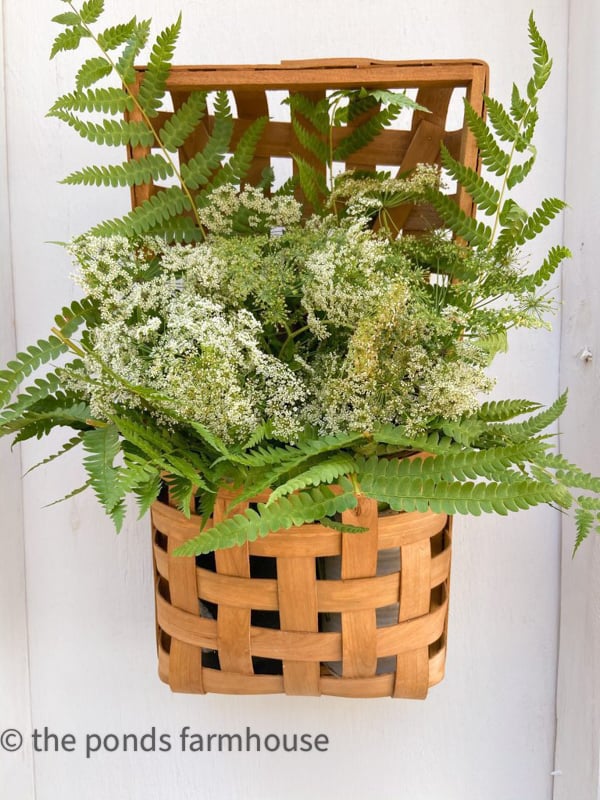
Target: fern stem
[[145, 117], [70, 344]]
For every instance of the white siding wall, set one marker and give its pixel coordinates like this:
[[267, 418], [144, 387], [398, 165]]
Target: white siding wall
[[578, 699], [488, 730]]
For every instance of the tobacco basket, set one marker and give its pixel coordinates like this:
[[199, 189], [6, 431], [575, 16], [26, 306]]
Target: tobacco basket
[[265, 618]]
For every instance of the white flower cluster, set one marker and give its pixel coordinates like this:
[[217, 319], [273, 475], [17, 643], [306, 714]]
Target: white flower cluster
[[328, 324]]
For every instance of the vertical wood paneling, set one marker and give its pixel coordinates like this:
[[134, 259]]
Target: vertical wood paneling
[[16, 770]]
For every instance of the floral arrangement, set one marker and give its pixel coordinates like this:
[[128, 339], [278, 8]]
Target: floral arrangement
[[233, 336]]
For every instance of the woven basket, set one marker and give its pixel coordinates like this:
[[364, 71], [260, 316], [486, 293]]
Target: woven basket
[[212, 619], [265, 617]]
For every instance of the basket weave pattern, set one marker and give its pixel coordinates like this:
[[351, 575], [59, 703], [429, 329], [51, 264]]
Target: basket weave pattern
[[301, 598]]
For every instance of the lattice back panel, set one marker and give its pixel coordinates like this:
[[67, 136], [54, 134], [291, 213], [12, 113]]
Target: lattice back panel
[[437, 85]]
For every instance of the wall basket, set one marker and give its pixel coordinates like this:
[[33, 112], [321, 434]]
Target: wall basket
[[310, 611]]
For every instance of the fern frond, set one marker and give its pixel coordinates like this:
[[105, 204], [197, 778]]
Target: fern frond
[[504, 126], [69, 18], [110, 100], [102, 446], [91, 71], [584, 521], [133, 47], [294, 510], [146, 493], [178, 229], [116, 133], [152, 167], [113, 37], [539, 219], [492, 155], [522, 431], [182, 490], [71, 494], [312, 182], [74, 442], [341, 527], [183, 121], [503, 410], [473, 232], [556, 255], [542, 63], [316, 113], [91, 10], [148, 216], [73, 316], [483, 193], [68, 39], [518, 172], [432, 443], [273, 455], [364, 133], [25, 362], [311, 141], [154, 82], [323, 473], [518, 105], [456, 497], [240, 162], [198, 170]]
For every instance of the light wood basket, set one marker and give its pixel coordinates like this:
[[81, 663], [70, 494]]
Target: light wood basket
[[211, 629], [227, 650]]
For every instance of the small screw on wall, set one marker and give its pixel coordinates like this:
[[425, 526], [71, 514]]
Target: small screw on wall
[[586, 354]]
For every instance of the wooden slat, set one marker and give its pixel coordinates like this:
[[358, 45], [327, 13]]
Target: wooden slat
[[359, 560], [412, 668], [296, 579], [233, 624], [251, 106]]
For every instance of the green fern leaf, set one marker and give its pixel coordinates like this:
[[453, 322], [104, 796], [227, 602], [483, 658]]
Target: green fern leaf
[[25, 362], [91, 11], [542, 64], [68, 18], [502, 410], [109, 101], [316, 113], [539, 219], [152, 167], [74, 493], [311, 141], [295, 510], [148, 216], [72, 317], [492, 155], [312, 182], [518, 106], [102, 446], [519, 172], [240, 162], [41, 388], [116, 35], [111, 132], [325, 472], [584, 520], [154, 82], [91, 71], [473, 232], [482, 192], [182, 490], [183, 121], [74, 442], [68, 39], [431, 443], [146, 493], [198, 170], [556, 255], [522, 431], [133, 47], [273, 455], [365, 133], [506, 129], [341, 527]]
